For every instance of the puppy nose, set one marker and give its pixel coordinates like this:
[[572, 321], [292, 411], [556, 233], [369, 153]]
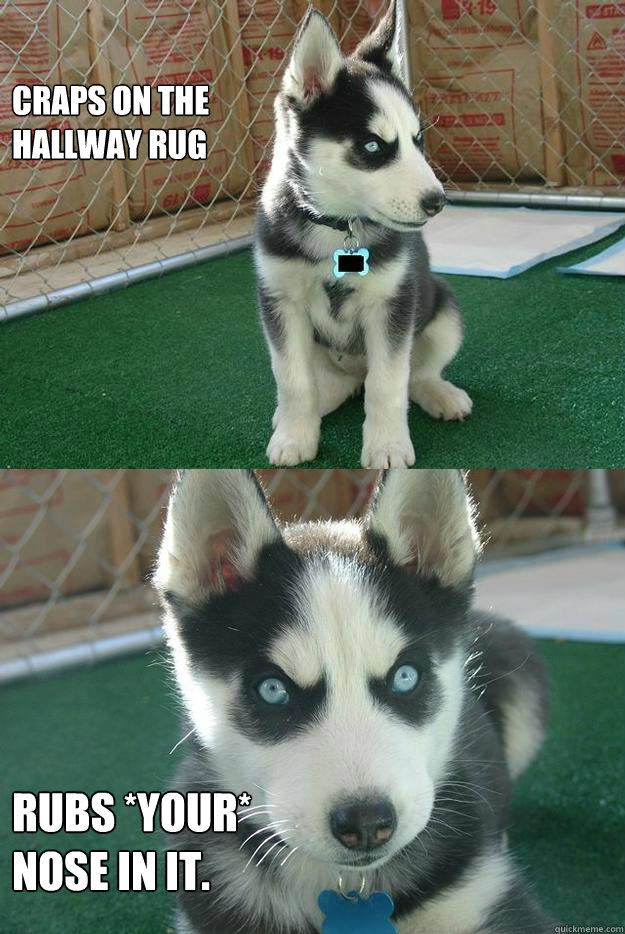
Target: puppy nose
[[363, 824], [433, 202]]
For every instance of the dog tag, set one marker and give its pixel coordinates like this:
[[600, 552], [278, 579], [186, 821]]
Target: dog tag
[[353, 914], [351, 261]]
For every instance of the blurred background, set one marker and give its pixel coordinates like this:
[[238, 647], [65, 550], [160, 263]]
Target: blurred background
[[77, 546]]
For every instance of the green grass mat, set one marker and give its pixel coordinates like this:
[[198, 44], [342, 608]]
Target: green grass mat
[[174, 372], [110, 728]]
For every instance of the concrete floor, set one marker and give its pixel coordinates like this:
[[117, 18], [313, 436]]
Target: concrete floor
[[576, 593]]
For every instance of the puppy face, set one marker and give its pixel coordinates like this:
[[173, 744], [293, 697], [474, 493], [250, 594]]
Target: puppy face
[[323, 665], [355, 136]]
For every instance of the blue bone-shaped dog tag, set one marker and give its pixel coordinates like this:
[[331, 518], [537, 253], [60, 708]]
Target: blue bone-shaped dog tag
[[351, 261], [357, 915]]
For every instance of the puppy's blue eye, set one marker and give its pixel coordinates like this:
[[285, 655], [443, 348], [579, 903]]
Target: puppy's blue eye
[[405, 679], [372, 146], [273, 691]]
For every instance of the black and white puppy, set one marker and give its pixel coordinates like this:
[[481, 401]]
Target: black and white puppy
[[349, 145], [337, 672]]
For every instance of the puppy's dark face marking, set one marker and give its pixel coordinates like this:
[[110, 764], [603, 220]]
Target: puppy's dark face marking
[[345, 115], [235, 628], [273, 723]]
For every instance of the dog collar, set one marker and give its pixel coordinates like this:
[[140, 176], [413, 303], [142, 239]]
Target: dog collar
[[352, 258], [336, 223]]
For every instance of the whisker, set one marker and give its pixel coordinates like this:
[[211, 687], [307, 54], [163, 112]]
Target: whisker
[[259, 847], [255, 807], [282, 848], [257, 814], [250, 812], [444, 810], [456, 830], [180, 742], [270, 826], [272, 847], [427, 125], [474, 788], [266, 790], [506, 674], [288, 856]]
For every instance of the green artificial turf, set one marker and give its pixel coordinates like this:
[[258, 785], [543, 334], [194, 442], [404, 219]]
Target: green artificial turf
[[174, 372], [111, 727]]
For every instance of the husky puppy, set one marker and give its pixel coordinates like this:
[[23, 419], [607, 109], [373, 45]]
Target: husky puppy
[[337, 673], [349, 145]]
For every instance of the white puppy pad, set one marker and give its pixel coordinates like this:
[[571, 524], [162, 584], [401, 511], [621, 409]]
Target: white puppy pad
[[574, 593], [502, 242], [610, 262]]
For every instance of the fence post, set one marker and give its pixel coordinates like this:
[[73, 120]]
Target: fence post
[[600, 511]]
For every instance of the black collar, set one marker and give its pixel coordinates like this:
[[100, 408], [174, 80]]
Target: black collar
[[336, 223]]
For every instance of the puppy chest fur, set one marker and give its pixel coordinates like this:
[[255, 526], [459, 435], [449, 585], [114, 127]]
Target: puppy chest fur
[[339, 310]]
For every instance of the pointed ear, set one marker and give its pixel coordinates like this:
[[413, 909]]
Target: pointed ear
[[427, 520], [315, 61], [382, 47], [217, 522]]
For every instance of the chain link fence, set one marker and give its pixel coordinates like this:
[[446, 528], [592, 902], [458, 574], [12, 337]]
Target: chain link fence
[[77, 546], [524, 99]]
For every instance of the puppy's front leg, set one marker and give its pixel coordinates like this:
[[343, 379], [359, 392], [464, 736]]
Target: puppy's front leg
[[386, 439], [296, 421]]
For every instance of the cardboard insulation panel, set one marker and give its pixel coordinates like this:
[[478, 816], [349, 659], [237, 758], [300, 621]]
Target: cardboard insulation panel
[[44, 202]]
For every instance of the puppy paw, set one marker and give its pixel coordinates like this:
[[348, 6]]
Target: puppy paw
[[389, 452], [441, 399], [290, 446]]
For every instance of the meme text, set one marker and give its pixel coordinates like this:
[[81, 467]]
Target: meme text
[[76, 812], [64, 141]]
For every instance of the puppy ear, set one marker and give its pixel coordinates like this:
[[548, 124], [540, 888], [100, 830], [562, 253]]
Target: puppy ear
[[315, 61], [217, 522], [382, 47], [427, 520]]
